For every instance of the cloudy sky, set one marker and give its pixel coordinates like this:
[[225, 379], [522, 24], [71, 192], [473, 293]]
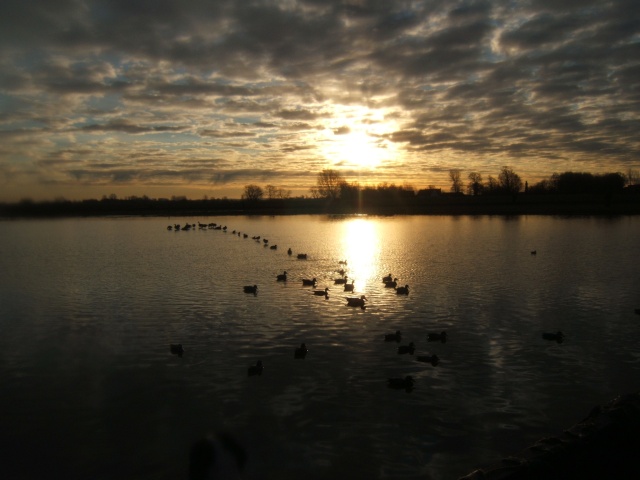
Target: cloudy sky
[[202, 97]]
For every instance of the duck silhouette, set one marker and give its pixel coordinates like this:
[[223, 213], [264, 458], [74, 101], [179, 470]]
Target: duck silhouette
[[391, 283], [393, 337], [282, 277], [437, 337], [300, 352], [250, 289], [404, 349], [357, 302], [432, 359], [405, 383], [348, 287], [403, 290], [322, 293], [255, 369], [309, 282], [556, 337], [340, 281], [388, 278]]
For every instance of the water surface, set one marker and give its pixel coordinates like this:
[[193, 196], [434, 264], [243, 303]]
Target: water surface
[[88, 308]]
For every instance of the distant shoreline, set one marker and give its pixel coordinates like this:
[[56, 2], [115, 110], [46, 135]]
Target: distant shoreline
[[626, 203]]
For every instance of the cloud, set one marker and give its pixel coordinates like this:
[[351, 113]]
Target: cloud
[[466, 82]]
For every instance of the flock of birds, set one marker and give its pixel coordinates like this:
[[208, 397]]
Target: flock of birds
[[390, 282], [347, 284]]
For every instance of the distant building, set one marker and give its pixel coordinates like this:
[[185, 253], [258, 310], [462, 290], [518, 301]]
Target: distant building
[[429, 192]]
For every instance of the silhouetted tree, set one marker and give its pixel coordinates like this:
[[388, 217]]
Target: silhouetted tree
[[328, 185], [633, 177], [456, 180], [274, 192], [475, 183], [252, 192], [509, 181]]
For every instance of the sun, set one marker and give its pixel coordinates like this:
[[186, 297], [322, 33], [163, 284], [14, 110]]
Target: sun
[[358, 140]]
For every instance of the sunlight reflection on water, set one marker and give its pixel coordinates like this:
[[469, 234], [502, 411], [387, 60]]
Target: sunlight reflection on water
[[91, 308]]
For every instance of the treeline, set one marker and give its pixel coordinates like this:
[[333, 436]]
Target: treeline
[[565, 193], [580, 183]]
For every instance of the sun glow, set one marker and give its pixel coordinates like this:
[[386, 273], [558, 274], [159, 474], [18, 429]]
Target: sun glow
[[358, 140]]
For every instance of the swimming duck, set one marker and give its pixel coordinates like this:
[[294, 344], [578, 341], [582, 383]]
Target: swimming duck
[[255, 369], [405, 383], [302, 256], [342, 262], [403, 290], [393, 337], [357, 302], [251, 289], [437, 337], [391, 283], [388, 278], [322, 293], [534, 252], [432, 359], [282, 277], [403, 349], [176, 349], [309, 282], [348, 287], [557, 337], [273, 247], [340, 281], [301, 352], [289, 252]]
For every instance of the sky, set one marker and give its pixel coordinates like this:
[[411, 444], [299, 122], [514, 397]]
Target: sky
[[199, 98]]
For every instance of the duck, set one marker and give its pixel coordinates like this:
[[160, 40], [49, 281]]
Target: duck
[[403, 290], [391, 283], [251, 289], [405, 383], [282, 277], [432, 359], [309, 282], [348, 287], [302, 256], [403, 349], [176, 349], [322, 293], [289, 252], [388, 278], [273, 247], [357, 302], [558, 336], [300, 352], [437, 337], [255, 369], [340, 281], [342, 262], [393, 337], [534, 252]]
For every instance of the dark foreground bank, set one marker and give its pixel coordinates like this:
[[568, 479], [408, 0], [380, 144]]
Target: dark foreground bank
[[604, 445]]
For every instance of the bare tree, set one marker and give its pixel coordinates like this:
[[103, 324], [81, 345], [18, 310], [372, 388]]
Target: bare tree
[[252, 192], [475, 183], [633, 177], [271, 191], [328, 185], [509, 181], [456, 181]]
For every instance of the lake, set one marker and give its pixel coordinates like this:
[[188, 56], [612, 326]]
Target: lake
[[89, 308]]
